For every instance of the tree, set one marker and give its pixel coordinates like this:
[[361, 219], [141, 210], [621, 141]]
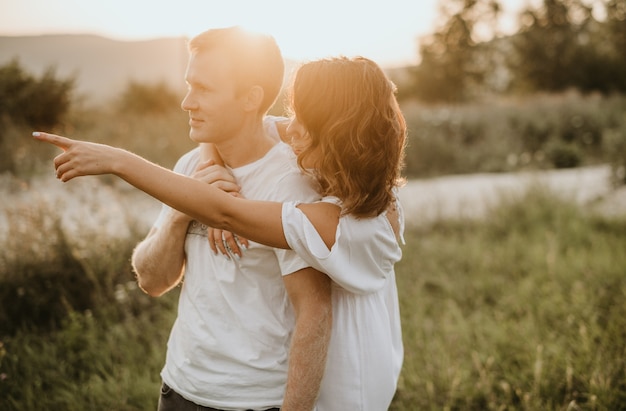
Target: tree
[[36, 103], [139, 98], [450, 60], [559, 46], [28, 102], [616, 27]]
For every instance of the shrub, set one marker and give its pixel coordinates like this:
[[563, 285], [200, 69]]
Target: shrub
[[540, 131], [564, 155], [63, 273], [616, 147], [76, 332], [28, 103], [139, 98], [161, 138], [37, 103]]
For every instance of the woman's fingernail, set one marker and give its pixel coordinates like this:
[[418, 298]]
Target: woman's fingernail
[[36, 133]]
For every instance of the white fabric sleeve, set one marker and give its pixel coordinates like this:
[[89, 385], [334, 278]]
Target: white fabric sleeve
[[353, 266]]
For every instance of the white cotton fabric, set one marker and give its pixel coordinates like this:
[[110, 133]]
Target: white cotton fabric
[[228, 348], [366, 352]]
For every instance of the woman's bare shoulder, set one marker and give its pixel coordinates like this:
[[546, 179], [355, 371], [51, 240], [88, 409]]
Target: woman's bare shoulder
[[325, 218]]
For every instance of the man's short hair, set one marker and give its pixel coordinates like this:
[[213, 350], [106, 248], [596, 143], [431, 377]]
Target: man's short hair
[[256, 59]]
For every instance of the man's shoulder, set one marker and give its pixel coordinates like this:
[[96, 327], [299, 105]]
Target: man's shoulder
[[276, 177], [282, 153], [190, 154], [287, 181], [281, 161], [276, 127], [187, 160]]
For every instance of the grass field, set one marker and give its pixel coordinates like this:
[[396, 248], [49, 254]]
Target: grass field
[[524, 310]]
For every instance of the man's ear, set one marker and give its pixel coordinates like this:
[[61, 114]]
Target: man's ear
[[254, 98]]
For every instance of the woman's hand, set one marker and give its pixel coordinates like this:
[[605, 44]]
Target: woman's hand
[[81, 158], [226, 242], [213, 171]]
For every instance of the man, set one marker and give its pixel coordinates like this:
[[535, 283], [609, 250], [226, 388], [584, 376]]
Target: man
[[251, 332]]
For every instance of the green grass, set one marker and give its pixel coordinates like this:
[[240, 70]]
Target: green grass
[[523, 311], [76, 333]]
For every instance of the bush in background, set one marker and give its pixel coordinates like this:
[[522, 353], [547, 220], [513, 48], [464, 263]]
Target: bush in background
[[616, 147], [76, 332], [539, 132], [28, 103], [66, 269], [145, 118], [139, 98], [499, 135], [161, 138], [34, 102]]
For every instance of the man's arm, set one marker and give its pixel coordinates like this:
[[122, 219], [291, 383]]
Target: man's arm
[[159, 259], [310, 294]]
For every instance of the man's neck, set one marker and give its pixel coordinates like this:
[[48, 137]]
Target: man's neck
[[248, 146]]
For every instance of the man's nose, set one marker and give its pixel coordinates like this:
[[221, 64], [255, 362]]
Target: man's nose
[[187, 103]]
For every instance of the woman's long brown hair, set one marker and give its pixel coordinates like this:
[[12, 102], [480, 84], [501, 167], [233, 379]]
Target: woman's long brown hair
[[349, 108]]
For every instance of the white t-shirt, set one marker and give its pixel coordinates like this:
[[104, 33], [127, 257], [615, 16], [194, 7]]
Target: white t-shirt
[[366, 352], [228, 347]]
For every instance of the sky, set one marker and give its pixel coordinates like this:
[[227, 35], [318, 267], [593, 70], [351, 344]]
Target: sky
[[383, 30]]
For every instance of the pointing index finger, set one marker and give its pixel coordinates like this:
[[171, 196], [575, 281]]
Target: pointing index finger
[[62, 142]]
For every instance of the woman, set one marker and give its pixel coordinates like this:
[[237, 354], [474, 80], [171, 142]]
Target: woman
[[349, 134]]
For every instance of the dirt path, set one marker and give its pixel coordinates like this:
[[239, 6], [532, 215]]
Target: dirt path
[[110, 207], [472, 195]]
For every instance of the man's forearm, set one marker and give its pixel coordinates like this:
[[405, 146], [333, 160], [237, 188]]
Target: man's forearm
[[158, 261]]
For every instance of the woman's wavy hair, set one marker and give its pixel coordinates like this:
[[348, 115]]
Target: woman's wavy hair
[[349, 108]]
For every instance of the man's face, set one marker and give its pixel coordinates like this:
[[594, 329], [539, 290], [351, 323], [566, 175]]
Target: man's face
[[214, 108]]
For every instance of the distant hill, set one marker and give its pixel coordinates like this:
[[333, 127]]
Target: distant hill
[[102, 67]]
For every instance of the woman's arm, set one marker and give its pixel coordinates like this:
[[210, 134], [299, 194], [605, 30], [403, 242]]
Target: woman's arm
[[221, 240], [310, 294], [259, 221]]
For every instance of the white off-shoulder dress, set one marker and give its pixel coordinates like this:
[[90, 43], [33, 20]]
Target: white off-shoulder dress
[[366, 352]]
